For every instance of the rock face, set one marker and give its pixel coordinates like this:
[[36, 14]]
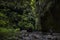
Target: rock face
[[51, 18]]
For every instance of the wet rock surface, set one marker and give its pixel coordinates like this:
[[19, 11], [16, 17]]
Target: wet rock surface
[[24, 35]]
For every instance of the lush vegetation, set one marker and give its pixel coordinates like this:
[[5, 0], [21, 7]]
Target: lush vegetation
[[29, 15], [17, 14]]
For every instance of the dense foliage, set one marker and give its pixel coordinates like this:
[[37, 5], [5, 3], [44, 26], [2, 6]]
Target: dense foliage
[[30, 14], [17, 14]]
